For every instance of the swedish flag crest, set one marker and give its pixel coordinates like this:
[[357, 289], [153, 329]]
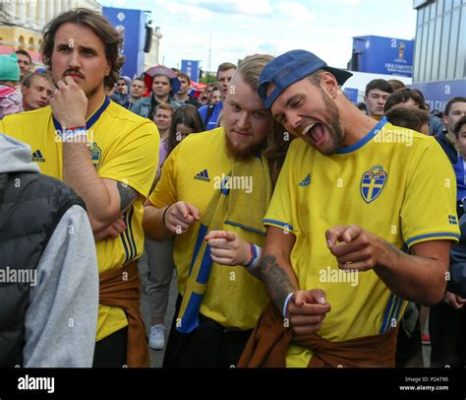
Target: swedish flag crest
[[96, 153], [372, 183]]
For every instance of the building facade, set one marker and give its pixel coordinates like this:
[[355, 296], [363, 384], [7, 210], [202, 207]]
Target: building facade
[[27, 18], [440, 50]]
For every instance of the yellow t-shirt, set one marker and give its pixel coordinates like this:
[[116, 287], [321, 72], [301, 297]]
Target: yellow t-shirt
[[124, 147], [233, 298], [395, 183]]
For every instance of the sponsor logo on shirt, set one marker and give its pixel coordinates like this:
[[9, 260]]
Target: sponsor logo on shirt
[[202, 176], [306, 181], [37, 156]]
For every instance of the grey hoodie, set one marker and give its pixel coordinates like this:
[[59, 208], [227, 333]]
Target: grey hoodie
[[61, 319], [15, 156]]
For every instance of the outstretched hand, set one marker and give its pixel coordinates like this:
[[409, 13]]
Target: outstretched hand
[[228, 248], [180, 216], [354, 247], [307, 310]]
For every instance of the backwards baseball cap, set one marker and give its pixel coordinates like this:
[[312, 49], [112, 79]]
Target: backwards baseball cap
[[291, 67]]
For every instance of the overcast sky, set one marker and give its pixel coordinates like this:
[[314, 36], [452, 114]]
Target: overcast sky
[[237, 28]]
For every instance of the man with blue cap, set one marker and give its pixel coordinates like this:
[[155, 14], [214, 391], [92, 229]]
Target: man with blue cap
[[352, 193]]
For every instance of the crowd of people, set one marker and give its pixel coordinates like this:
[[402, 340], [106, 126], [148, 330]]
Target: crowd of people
[[302, 230]]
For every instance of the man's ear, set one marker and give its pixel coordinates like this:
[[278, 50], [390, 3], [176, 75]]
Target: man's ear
[[329, 82], [108, 70]]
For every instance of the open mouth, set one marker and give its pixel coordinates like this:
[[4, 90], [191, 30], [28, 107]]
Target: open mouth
[[314, 131]]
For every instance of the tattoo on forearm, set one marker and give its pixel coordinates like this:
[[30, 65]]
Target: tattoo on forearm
[[127, 195], [276, 280]]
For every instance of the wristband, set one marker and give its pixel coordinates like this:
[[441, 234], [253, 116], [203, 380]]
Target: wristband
[[76, 134], [163, 215], [285, 304], [256, 252]]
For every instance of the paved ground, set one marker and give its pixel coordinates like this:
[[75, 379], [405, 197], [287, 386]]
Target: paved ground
[[156, 355]]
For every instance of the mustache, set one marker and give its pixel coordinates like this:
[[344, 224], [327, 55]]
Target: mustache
[[73, 72]]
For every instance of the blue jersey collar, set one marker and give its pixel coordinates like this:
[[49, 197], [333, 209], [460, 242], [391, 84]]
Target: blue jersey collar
[[91, 120], [361, 142]]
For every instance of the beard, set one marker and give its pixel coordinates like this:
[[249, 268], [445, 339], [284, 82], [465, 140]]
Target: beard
[[335, 131], [243, 153]]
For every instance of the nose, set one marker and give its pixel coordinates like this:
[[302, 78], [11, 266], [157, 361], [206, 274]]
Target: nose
[[74, 59], [293, 120], [243, 120]]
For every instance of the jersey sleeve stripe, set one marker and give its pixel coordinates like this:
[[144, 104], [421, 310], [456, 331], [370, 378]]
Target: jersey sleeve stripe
[[278, 224], [432, 236]]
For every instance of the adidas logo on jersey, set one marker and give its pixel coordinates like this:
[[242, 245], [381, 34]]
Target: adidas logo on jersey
[[37, 156], [306, 181], [202, 176]]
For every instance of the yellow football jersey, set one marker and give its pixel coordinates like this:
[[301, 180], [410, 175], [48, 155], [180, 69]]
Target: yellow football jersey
[[395, 183], [124, 147], [192, 173]]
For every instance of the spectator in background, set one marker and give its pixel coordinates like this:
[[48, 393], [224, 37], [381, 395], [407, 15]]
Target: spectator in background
[[377, 92], [205, 95], [163, 87], [396, 84], [186, 120], [405, 97], [10, 99], [136, 92], [411, 118], [215, 96], [163, 119], [454, 110], [24, 62], [37, 89], [210, 113], [435, 122], [182, 96], [121, 93], [457, 284], [414, 98], [448, 318]]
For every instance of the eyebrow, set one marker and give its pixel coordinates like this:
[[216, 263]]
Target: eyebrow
[[66, 45], [289, 101], [278, 117]]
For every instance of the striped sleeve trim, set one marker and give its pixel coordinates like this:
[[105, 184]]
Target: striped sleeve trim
[[278, 224], [432, 236]]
